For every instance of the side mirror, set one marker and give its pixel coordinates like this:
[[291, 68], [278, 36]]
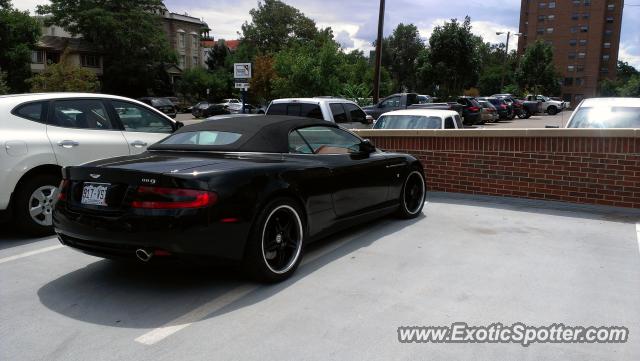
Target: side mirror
[[179, 124], [368, 119], [367, 147]]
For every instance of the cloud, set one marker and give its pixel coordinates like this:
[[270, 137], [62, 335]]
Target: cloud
[[630, 53], [344, 39]]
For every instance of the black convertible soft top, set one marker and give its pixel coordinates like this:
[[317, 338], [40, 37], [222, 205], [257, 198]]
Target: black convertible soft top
[[267, 134]]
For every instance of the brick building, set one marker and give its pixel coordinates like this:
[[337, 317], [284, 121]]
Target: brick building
[[585, 35]]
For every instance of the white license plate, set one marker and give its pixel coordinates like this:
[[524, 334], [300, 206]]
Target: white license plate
[[94, 194]]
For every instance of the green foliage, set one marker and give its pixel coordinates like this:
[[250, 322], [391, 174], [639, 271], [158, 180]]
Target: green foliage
[[536, 72], [4, 88], [65, 77], [631, 88], [217, 56], [128, 33], [195, 82], [359, 93], [404, 48], [275, 26], [18, 35], [264, 75], [625, 85], [305, 71], [453, 57]]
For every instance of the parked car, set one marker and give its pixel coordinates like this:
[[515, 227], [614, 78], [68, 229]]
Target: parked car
[[504, 111], [41, 133], [255, 190], [206, 109], [162, 104], [343, 112], [237, 108], [419, 119], [489, 112], [181, 105], [471, 110], [425, 99], [606, 113], [402, 101], [549, 106], [228, 102], [524, 109], [237, 116]]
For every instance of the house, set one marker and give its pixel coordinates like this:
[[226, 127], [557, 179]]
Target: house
[[55, 41], [185, 33]]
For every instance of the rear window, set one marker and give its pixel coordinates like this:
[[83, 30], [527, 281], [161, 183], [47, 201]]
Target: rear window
[[161, 102], [408, 122], [606, 117], [31, 111], [296, 109], [205, 137]]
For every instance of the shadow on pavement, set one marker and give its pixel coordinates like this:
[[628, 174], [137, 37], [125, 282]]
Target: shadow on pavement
[[10, 236], [136, 296]]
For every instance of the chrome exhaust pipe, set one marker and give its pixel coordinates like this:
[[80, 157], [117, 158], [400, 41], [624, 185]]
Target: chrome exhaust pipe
[[144, 255]]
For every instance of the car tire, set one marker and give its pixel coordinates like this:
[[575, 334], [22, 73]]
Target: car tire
[[526, 114], [276, 243], [552, 110], [34, 204], [413, 195]]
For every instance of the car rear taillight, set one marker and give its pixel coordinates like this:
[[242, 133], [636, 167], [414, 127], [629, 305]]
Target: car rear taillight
[[62, 189], [503, 106], [172, 198], [474, 109]]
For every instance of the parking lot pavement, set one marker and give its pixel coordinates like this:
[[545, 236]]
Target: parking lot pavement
[[474, 260], [536, 121]]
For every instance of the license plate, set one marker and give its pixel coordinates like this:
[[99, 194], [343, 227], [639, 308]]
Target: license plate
[[94, 194]]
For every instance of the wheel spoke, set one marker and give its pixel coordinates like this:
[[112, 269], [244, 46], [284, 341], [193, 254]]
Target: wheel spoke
[[39, 195], [36, 211], [48, 219]]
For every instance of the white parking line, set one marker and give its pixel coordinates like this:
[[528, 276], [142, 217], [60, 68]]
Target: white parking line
[[198, 314], [158, 334], [30, 253]]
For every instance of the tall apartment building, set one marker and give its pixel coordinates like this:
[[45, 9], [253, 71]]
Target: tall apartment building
[[585, 35]]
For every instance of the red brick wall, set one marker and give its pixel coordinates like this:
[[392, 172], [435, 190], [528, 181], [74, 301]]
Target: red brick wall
[[600, 169]]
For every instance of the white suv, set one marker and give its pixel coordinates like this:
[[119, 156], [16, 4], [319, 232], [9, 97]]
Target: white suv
[[41, 133], [345, 113]]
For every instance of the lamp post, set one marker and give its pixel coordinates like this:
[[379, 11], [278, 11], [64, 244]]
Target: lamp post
[[506, 54], [376, 76]]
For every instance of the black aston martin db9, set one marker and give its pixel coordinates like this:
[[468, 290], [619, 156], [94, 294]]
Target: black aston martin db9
[[252, 189]]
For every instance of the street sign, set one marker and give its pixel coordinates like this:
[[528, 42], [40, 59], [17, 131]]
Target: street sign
[[242, 85], [242, 70]]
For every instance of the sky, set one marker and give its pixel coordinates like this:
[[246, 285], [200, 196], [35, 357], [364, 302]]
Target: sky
[[354, 22]]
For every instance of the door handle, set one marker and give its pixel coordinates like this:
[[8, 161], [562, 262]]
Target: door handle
[[138, 144], [68, 144]]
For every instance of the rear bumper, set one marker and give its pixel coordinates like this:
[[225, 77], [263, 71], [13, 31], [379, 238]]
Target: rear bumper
[[184, 234], [472, 118]]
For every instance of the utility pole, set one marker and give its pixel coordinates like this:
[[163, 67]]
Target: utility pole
[[378, 64], [506, 56]]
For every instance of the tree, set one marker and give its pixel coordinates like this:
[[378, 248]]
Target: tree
[[264, 76], [4, 88], [275, 25], [536, 72], [625, 83], [194, 84], [217, 56], [453, 57], [65, 77], [18, 35], [305, 71], [404, 46], [127, 32]]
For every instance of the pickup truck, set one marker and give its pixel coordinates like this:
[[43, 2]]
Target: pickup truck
[[406, 101], [550, 106]]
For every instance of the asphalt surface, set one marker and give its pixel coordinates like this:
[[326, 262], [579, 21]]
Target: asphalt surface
[[477, 260], [537, 121]]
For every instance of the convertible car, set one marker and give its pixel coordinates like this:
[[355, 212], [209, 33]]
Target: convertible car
[[254, 190]]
